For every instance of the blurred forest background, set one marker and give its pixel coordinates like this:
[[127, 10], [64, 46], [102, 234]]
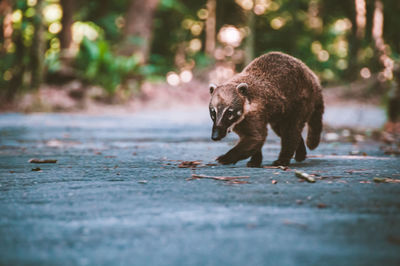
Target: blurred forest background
[[117, 46]]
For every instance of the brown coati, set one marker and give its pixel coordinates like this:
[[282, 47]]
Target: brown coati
[[275, 89]]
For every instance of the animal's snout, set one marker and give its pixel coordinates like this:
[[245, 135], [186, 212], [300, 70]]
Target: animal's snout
[[218, 133]]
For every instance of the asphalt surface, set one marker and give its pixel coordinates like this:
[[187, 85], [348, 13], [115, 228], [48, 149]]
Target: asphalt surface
[[116, 196]]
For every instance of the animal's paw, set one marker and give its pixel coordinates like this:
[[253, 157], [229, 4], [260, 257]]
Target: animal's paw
[[300, 156], [226, 159], [281, 162], [253, 164]]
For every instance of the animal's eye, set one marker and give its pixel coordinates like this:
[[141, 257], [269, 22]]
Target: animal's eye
[[230, 113], [212, 113]]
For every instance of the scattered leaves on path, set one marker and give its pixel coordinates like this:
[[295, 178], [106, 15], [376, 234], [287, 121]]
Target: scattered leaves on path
[[385, 180], [284, 168], [189, 164], [229, 179], [34, 160], [304, 176], [355, 171], [296, 224]]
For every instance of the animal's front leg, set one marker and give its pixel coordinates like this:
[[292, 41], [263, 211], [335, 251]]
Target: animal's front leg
[[255, 160], [243, 150]]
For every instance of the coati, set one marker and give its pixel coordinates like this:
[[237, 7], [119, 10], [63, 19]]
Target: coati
[[275, 89]]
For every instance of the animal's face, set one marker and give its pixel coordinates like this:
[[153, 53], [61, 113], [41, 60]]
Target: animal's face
[[226, 109]]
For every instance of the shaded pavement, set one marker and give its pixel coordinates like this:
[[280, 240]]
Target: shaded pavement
[[117, 196]]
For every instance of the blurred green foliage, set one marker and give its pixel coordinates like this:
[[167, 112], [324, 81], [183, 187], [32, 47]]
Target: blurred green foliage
[[98, 65]]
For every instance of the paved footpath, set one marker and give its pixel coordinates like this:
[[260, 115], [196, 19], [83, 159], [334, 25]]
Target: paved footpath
[[116, 196]]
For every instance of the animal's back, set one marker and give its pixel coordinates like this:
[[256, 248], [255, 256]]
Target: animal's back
[[285, 73]]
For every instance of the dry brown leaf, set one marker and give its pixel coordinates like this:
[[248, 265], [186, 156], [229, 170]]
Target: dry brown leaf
[[385, 180], [189, 164], [34, 160], [228, 179]]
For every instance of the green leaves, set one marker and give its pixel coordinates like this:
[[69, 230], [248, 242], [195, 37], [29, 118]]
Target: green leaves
[[100, 66]]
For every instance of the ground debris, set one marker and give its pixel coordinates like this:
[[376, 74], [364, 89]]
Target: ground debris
[[284, 168], [34, 160], [385, 180], [229, 179], [189, 164], [296, 224], [391, 151], [304, 176], [356, 171]]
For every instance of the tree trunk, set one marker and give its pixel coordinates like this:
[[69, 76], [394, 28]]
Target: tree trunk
[[6, 25], [68, 7], [211, 27], [139, 28], [18, 71], [249, 45], [38, 48], [354, 43], [377, 34]]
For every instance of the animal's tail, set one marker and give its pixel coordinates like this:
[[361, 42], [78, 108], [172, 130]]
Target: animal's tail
[[315, 125]]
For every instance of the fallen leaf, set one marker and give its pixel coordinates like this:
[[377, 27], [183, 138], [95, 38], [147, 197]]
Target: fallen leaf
[[394, 239], [189, 164], [385, 180], [355, 171], [304, 176], [34, 160], [229, 179], [237, 182], [284, 168], [292, 223]]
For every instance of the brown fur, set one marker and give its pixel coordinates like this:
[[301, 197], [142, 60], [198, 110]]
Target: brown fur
[[282, 91]]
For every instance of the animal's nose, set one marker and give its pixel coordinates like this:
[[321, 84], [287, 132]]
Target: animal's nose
[[216, 134]]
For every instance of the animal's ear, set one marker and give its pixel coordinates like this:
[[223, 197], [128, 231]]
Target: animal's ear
[[212, 87], [242, 89]]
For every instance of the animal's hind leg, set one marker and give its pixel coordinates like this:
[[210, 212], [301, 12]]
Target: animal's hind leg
[[275, 128], [290, 132], [301, 151], [255, 160]]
